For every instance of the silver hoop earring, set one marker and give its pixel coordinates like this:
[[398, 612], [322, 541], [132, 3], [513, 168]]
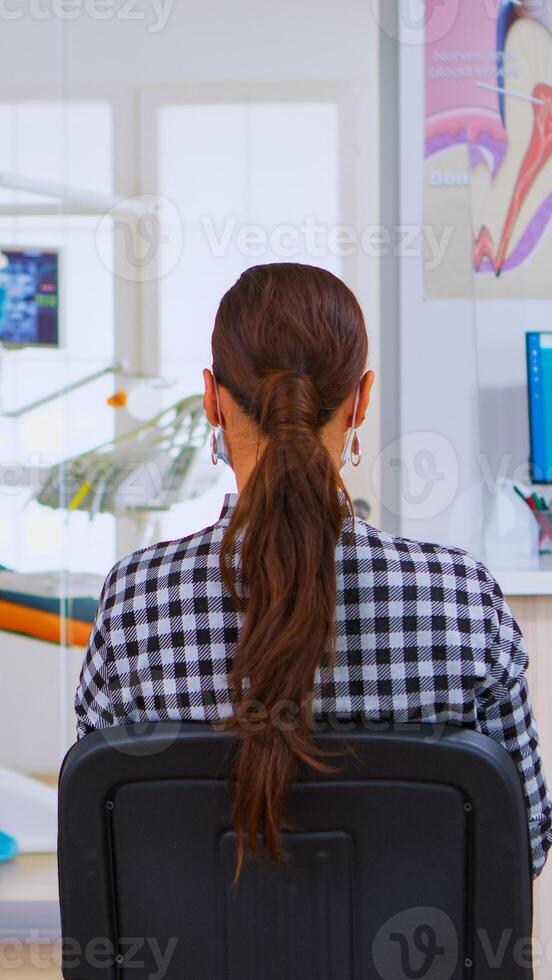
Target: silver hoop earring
[[214, 447], [356, 451]]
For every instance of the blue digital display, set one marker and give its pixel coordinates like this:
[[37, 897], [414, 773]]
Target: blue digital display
[[29, 297], [539, 379]]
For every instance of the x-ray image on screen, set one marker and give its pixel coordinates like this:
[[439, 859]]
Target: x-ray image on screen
[[29, 297]]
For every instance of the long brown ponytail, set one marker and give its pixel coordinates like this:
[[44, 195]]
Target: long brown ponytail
[[289, 345]]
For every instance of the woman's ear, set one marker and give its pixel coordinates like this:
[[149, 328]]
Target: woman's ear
[[210, 398], [366, 384]]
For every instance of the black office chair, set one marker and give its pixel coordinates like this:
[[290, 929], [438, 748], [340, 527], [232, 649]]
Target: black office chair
[[410, 862]]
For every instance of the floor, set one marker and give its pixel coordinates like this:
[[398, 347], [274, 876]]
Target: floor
[[28, 911], [30, 878], [34, 963]]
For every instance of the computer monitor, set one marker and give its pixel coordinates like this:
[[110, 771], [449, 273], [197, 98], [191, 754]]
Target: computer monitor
[[539, 378], [29, 297]]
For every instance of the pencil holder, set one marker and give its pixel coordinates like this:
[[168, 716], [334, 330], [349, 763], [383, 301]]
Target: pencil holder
[[544, 520]]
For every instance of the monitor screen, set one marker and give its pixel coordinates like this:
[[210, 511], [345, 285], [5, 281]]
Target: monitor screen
[[29, 297], [539, 375]]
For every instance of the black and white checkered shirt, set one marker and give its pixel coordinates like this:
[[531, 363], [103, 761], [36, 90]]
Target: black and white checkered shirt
[[423, 634]]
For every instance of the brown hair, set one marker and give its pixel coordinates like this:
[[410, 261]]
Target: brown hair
[[289, 345]]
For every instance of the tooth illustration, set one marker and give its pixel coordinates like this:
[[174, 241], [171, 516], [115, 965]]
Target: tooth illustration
[[514, 210]]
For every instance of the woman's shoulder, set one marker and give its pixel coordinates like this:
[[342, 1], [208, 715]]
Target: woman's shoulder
[[388, 552], [153, 565]]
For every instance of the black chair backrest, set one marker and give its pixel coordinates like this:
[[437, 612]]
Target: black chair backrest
[[411, 861]]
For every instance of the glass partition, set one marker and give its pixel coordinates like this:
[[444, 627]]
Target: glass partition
[[57, 330], [149, 202], [146, 160]]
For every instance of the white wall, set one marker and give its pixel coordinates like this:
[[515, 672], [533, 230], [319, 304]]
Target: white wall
[[222, 39]]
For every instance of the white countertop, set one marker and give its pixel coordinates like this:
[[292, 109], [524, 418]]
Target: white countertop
[[524, 576]]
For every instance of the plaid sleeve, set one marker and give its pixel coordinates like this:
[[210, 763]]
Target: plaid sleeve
[[92, 701], [505, 714]]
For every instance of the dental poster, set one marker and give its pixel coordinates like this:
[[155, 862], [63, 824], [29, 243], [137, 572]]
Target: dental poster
[[488, 151]]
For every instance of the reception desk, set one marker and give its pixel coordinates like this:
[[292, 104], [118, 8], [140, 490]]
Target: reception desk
[[528, 588]]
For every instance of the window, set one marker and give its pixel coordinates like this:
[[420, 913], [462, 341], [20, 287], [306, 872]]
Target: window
[[243, 184]]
